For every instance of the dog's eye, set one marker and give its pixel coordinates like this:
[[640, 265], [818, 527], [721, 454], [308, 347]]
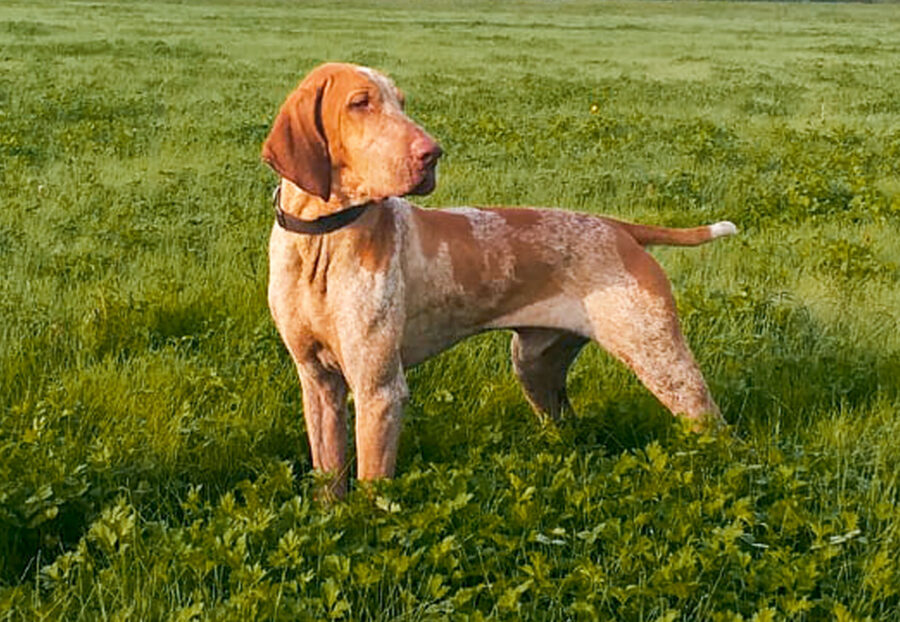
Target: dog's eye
[[360, 101]]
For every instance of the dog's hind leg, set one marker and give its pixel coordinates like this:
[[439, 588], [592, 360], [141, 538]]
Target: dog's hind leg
[[541, 358], [635, 319]]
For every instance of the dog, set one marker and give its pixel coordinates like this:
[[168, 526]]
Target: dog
[[362, 283]]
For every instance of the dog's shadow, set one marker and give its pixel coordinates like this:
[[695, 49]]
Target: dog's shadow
[[467, 403], [778, 385]]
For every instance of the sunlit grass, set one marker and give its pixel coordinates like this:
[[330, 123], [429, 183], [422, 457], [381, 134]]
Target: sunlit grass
[[153, 461]]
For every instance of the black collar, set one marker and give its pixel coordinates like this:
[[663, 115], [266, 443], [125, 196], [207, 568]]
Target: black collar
[[319, 226]]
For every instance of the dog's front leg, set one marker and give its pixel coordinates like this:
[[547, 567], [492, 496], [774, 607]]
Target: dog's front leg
[[325, 412], [379, 400]]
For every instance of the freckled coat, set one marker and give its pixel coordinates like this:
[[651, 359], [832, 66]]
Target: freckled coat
[[400, 284]]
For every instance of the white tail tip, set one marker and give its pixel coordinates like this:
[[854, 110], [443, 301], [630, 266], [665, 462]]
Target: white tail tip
[[722, 229]]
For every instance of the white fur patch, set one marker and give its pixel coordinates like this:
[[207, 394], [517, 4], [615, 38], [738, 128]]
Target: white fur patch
[[384, 84], [563, 312], [722, 229]]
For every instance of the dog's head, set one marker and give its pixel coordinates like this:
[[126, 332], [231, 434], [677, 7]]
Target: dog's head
[[342, 135]]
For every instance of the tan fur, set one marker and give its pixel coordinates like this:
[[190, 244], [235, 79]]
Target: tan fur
[[358, 305]]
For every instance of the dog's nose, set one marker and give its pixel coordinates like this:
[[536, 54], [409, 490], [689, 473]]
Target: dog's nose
[[432, 155], [426, 150]]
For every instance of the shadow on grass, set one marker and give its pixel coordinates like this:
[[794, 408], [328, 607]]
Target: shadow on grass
[[799, 369], [467, 406], [775, 383], [35, 529]]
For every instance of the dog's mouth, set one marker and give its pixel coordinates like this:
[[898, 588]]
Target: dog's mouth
[[427, 181]]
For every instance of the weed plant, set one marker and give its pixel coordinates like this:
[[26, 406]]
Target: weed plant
[[153, 462]]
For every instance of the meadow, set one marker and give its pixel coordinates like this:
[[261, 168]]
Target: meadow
[[153, 460]]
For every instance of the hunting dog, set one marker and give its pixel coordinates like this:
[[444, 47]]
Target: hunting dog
[[363, 283]]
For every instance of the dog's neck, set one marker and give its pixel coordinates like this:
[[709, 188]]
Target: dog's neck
[[298, 203], [293, 214]]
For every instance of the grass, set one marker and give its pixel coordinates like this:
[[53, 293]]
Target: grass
[[153, 463]]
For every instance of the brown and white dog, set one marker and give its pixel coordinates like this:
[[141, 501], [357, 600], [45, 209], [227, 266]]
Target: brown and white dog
[[358, 298]]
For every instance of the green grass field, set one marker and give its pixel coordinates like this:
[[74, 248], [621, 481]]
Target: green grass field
[[153, 461]]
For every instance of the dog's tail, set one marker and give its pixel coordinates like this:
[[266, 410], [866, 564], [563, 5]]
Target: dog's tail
[[646, 235]]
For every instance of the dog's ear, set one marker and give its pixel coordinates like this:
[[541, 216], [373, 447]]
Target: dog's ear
[[297, 147]]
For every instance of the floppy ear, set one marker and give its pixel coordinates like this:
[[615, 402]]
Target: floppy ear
[[297, 147]]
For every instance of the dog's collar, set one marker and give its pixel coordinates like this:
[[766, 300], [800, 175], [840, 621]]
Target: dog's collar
[[319, 226]]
